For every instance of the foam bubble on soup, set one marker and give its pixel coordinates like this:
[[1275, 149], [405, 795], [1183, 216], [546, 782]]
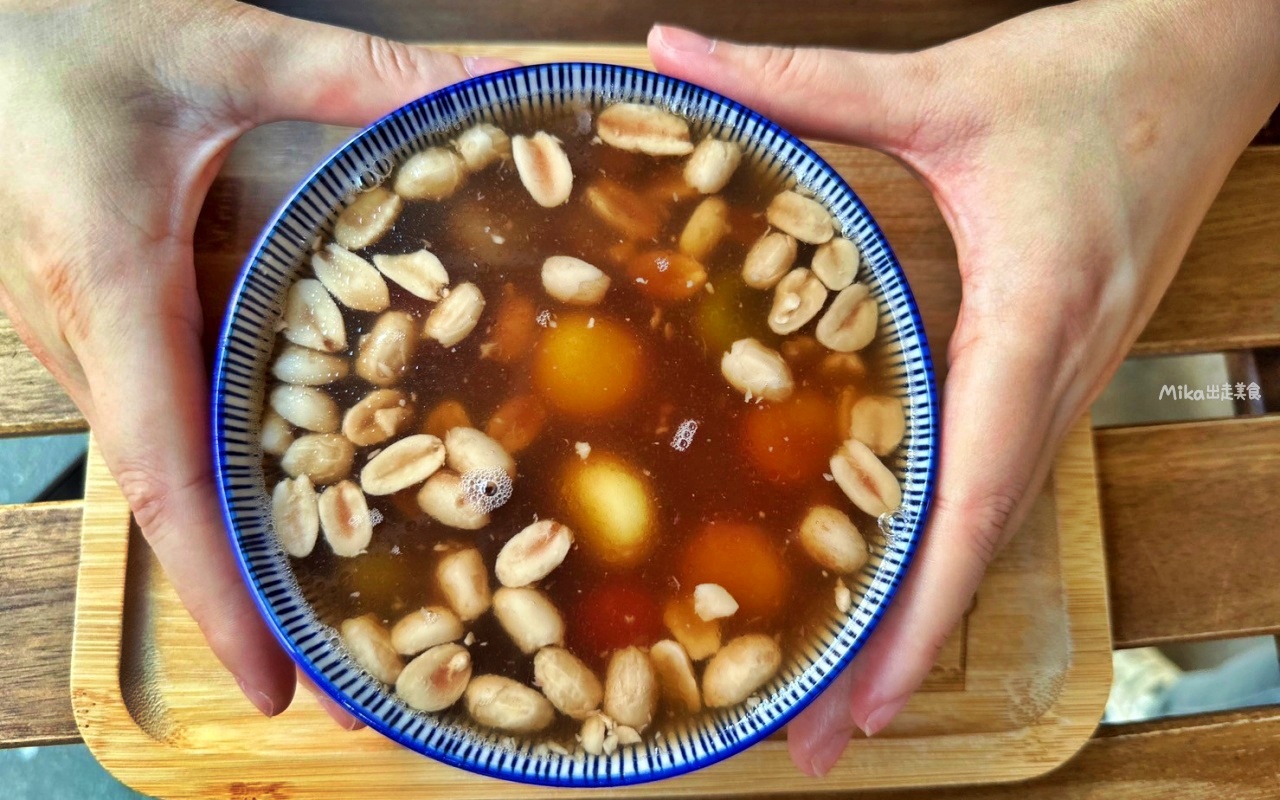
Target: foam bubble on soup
[[581, 426]]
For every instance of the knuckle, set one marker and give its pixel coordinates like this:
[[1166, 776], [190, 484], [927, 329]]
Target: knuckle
[[790, 66], [147, 492], [392, 61]]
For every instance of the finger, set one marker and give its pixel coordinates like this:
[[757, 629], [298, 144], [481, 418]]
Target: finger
[[148, 382], [309, 71], [820, 733], [873, 99], [336, 712], [996, 442]]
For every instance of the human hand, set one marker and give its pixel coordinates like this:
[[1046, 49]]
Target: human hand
[[1073, 152], [114, 119]]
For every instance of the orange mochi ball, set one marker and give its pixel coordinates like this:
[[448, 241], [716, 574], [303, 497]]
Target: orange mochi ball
[[587, 365]]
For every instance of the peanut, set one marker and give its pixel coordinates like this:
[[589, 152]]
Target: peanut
[[631, 688], [757, 371], [878, 422], [700, 638], [533, 553], [482, 144], [711, 165], [797, 299], [464, 581], [433, 174], [713, 601], [312, 319], [322, 457], [641, 128], [568, 683], [444, 500], [386, 350], [864, 479], [425, 628], [420, 273], [850, 323], [741, 667], [768, 260], [573, 281], [303, 366], [504, 704], [836, 263], [529, 618], [305, 407], [675, 676], [351, 279], [377, 416], [275, 433], [624, 210], [800, 216], [369, 216], [832, 540], [294, 515], [405, 463], [455, 316], [706, 227], [345, 520], [436, 679], [544, 169], [517, 423], [370, 645]]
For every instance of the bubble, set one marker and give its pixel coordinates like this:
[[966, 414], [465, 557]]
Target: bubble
[[487, 488], [684, 435], [375, 517]]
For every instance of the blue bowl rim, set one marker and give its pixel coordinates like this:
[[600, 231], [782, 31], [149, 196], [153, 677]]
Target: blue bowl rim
[[657, 773]]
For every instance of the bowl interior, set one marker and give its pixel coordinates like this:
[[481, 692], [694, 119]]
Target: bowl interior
[[247, 343]]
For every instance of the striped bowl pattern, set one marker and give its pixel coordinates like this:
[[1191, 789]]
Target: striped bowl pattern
[[245, 347]]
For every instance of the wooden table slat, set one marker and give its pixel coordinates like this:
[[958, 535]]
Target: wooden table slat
[[31, 401], [39, 555], [1191, 517]]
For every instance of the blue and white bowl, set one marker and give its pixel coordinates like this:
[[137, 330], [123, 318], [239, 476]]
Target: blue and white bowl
[[245, 348]]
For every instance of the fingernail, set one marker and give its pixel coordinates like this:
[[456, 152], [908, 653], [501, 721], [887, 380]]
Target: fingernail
[[483, 65], [880, 717], [828, 753], [259, 699], [683, 40]]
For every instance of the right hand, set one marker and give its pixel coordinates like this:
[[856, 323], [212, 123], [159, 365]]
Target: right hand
[[1073, 151], [114, 119]]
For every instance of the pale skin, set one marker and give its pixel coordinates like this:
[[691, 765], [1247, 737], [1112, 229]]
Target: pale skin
[[1072, 151]]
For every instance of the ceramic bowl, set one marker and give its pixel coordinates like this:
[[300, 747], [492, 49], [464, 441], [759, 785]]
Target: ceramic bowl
[[248, 337]]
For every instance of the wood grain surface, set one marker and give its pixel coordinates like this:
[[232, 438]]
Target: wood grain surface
[[1192, 515], [31, 401], [38, 561]]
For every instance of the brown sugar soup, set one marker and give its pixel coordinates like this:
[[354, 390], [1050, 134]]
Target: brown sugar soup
[[576, 427]]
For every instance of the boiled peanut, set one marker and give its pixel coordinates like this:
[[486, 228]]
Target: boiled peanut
[[878, 422], [741, 667], [443, 499], [370, 645], [713, 601], [464, 581], [377, 416], [305, 407], [675, 676], [832, 540], [482, 144], [700, 638], [706, 227], [850, 322], [345, 520], [801, 351], [517, 423], [385, 351], [626, 734], [625, 211], [294, 515], [471, 450], [573, 281], [455, 316], [594, 731], [568, 683], [351, 279], [436, 679], [433, 174], [420, 273], [322, 457], [642, 128], [275, 433], [631, 688], [502, 703], [367, 218], [865, 479], [768, 260], [405, 463], [797, 299], [533, 553], [836, 263], [838, 368], [800, 216], [425, 628], [711, 165], [757, 371], [529, 618], [303, 366], [514, 329], [312, 319], [844, 597], [544, 169]]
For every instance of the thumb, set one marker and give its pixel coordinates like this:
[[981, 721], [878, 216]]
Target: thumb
[[321, 73], [871, 99]]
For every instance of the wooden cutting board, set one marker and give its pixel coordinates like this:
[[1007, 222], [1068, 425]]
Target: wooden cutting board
[[1015, 693]]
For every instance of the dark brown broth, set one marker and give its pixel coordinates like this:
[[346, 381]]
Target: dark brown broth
[[711, 480]]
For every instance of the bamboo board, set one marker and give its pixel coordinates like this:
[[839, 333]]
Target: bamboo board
[[1016, 692]]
